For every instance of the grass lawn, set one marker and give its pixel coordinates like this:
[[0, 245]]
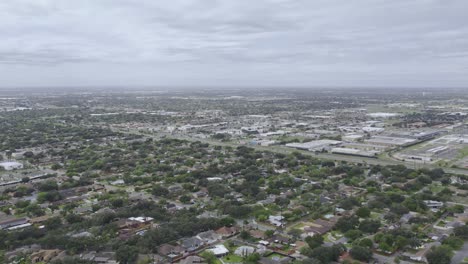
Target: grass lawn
[[463, 152], [275, 255], [442, 163], [298, 226], [216, 260], [435, 188], [375, 215], [332, 236], [231, 258], [460, 199], [231, 249], [329, 238], [337, 234]]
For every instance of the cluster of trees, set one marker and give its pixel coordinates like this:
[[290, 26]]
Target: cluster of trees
[[323, 254], [21, 129], [56, 233], [444, 253]]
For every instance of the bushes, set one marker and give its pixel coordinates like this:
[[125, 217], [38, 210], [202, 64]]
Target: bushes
[[347, 223], [326, 254], [363, 212], [369, 226], [461, 231], [353, 234], [454, 242], [314, 241], [361, 253], [439, 255]]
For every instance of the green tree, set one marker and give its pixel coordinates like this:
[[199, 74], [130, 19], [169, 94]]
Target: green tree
[[454, 242], [366, 242], [361, 253], [347, 223], [457, 209], [209, 257], [461, 231], [185, 199], [311, 261], [353, 234], [252, 258], [49, 185], [369, 226], [53, 223], [159, 190], [269, 233], [244, 234], [227, 221], [439, 255], [327, 254], [50, 196], [127, 254], [363, 212], [295, 233], [25, 179], [314, 241]]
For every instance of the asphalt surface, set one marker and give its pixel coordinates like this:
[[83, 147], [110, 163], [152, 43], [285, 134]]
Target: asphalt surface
[[461, 254]]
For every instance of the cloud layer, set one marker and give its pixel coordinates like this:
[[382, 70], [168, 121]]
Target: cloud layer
[[229, 43]]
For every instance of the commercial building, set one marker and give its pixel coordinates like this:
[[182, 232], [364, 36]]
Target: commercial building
[[391, 141], [355, 152], [316, 145]]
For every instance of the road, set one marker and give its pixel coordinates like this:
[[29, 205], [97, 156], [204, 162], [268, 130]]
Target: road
[[286, 150], [461, 254]]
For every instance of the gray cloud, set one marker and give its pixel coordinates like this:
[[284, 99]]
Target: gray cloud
[[222, 42]]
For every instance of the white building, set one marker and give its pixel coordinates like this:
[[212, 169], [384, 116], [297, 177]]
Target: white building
[[244, 251], [316, 145], [219, 250], [11, 165], [276, 220]]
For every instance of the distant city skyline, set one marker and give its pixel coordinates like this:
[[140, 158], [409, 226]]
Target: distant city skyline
[[363, 43]]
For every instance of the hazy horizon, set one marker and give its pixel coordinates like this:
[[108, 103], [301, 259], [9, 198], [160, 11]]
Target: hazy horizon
[[270, 43]]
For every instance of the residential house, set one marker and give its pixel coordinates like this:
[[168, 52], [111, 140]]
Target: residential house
[[318, 227], [99, 257], [257, 234], [44, 255], [170, 251], [434, 205], [219, 250], [225, 232], [191, 244], [279, 239], [276, 220], [209, 237], [192, 260], [13, 223], [244, 251]]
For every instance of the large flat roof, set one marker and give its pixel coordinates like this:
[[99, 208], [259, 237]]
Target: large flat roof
[[313, 144], [10, 163], [391, 140]]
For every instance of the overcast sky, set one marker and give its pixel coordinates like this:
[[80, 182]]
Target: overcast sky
[[234, 42]]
